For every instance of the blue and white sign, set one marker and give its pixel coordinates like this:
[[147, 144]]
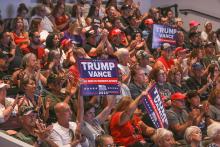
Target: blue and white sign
[[154, 107], [99, 77], [163, 34]]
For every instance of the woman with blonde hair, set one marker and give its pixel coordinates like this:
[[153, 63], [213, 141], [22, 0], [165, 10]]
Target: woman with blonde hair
[[193, 136]]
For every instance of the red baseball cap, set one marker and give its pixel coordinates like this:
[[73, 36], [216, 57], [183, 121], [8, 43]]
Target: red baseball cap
[[148, 21], [193, 23], [65, 42], [178, 96], [179, 49], [114, 32]]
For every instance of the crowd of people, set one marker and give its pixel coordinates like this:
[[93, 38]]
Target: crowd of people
[[40, 101]]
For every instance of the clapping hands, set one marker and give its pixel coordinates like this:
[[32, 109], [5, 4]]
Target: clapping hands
[[41, 131]]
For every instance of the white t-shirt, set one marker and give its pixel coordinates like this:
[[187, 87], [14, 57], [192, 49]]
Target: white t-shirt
[[204, 36], [8, 102], [63, 136], [125, 70]]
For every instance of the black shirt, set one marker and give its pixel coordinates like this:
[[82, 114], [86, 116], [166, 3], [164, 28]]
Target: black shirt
[[182, 89], [193, 84]]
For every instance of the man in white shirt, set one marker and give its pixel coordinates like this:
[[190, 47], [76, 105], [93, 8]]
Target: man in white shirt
[[8, 109], [65, 132]]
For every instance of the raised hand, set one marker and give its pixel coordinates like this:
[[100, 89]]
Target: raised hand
[[16, 100], [41, 131], [48, 102]]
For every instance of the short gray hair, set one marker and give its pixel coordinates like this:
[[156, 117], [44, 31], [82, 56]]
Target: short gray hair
[[213, 129], [189, 132], [121, 52], [160, 134]]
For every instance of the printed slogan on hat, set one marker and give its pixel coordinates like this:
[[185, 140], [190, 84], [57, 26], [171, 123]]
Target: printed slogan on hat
[[99, 77], [163, 34]]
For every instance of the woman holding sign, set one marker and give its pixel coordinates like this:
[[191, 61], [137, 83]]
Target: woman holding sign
[[126, 127]]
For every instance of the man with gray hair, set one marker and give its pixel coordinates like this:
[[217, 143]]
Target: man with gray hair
[[123, 65]]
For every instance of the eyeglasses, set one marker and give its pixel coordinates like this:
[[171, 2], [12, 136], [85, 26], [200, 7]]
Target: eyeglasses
[[110, 145]]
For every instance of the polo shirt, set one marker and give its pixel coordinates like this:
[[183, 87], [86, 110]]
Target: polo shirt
[[177, 118], [63, 136]]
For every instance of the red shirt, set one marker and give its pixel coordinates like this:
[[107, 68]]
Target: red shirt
[[126, 134], [166, 63], [21, 41], [39, 52]]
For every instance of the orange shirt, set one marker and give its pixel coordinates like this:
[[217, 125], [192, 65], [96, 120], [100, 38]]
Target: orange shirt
[[21, 41]]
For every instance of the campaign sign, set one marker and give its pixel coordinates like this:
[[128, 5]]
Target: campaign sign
[[163, 34], [99, 77], [154, 107]]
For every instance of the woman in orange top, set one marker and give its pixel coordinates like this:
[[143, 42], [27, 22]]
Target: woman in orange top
[[59, 18], [19, 36]]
